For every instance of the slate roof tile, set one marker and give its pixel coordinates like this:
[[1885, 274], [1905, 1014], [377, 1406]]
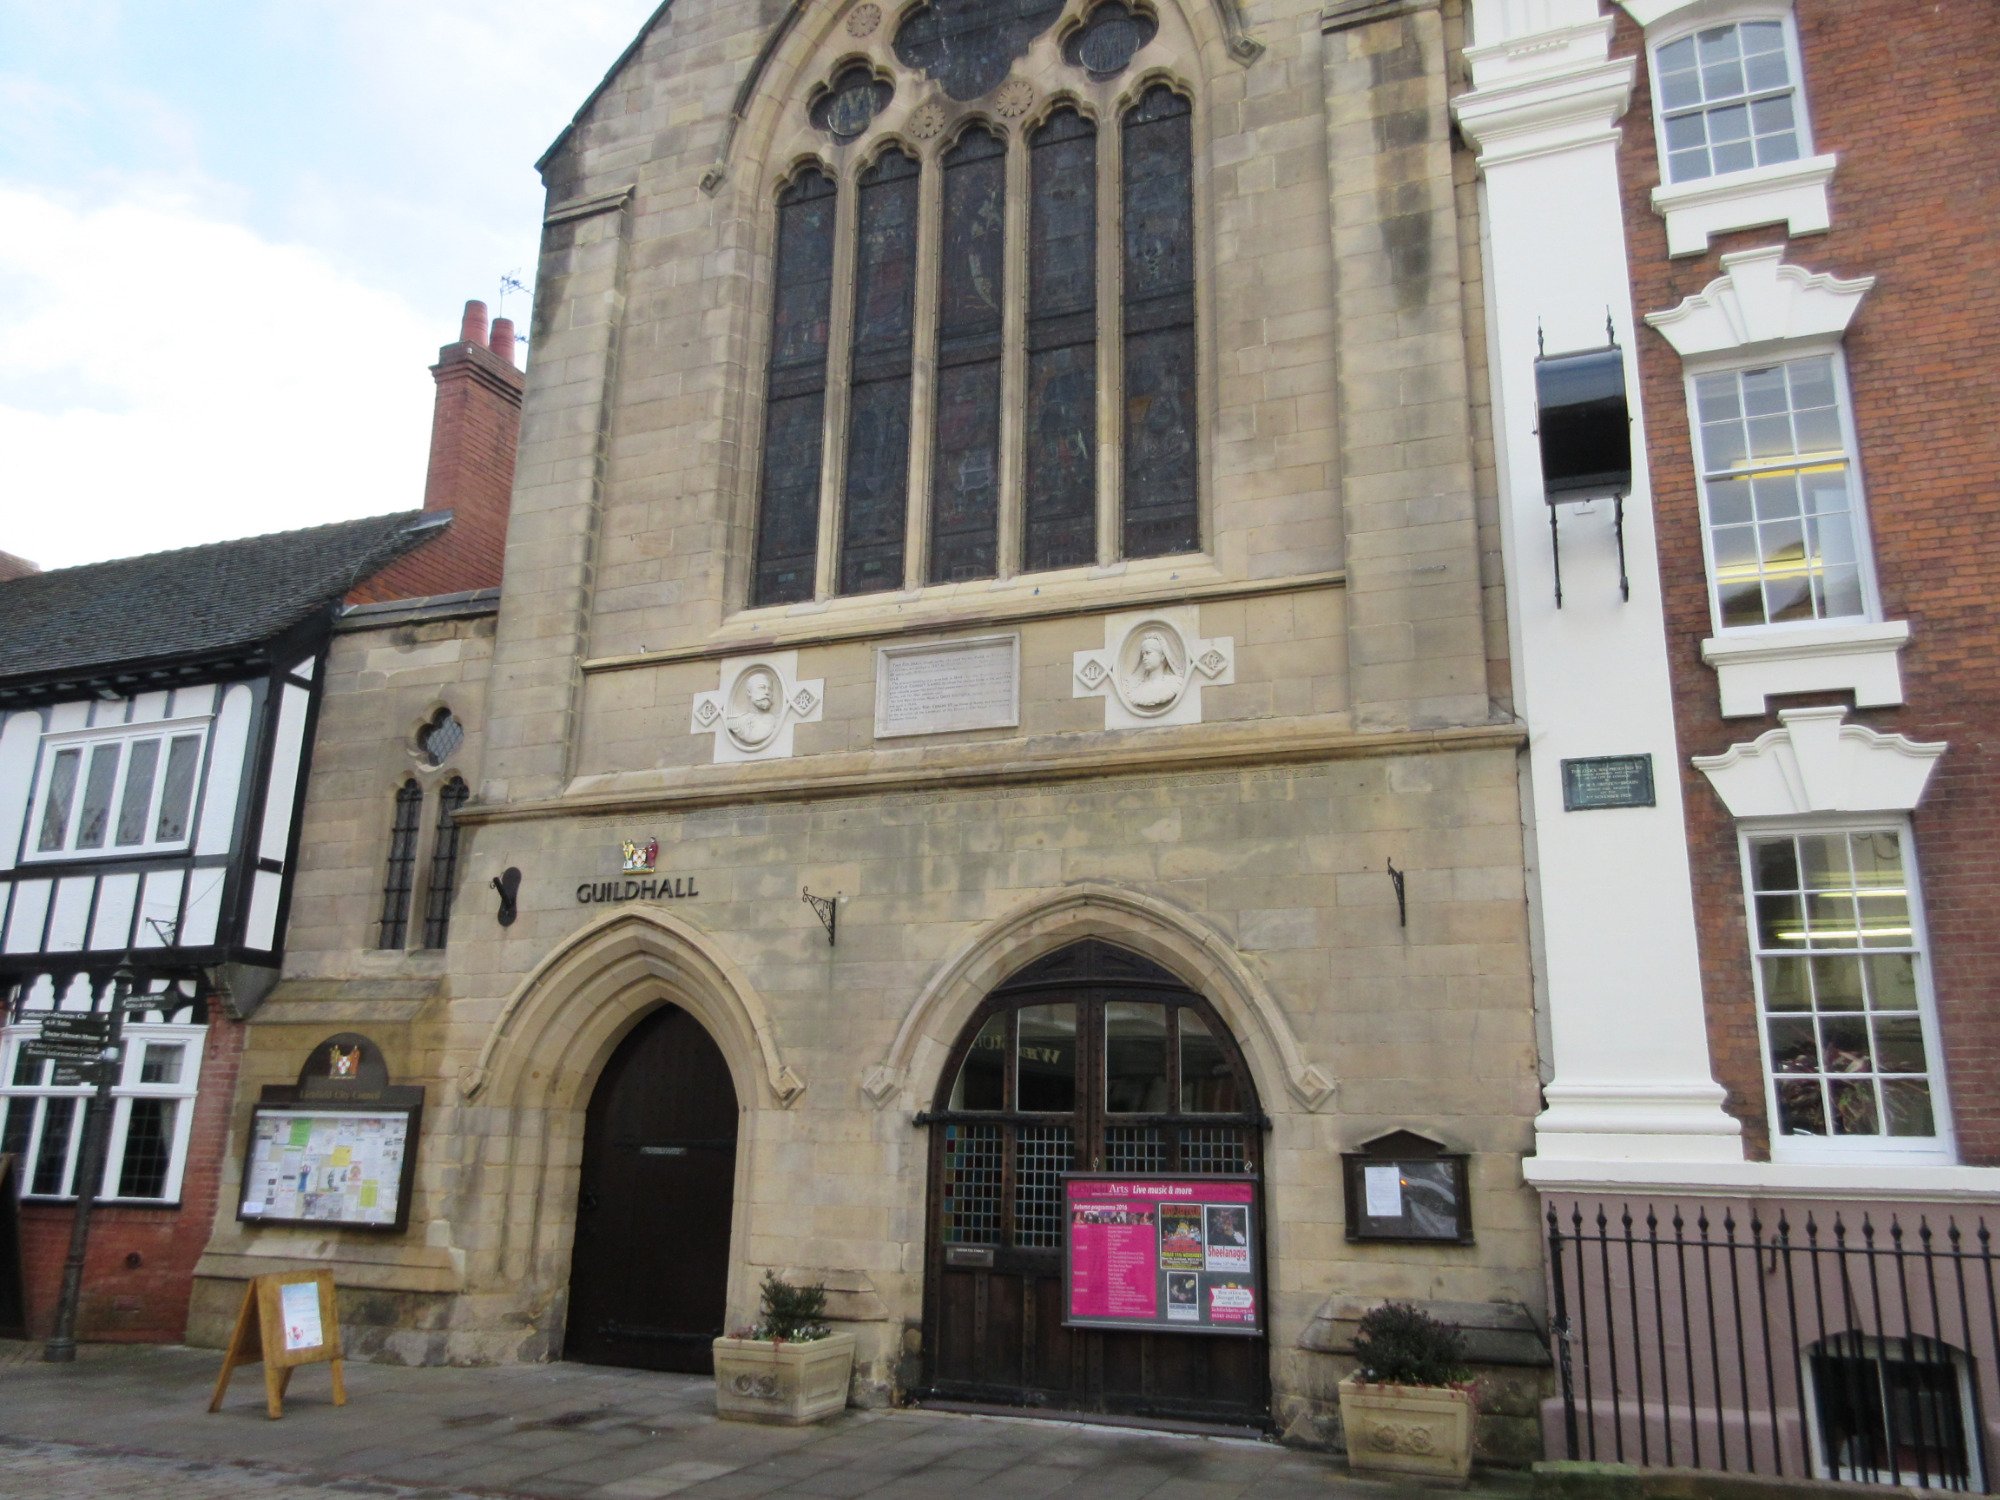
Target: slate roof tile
[[195, 601]]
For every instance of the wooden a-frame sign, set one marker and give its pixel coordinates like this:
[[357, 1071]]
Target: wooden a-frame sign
[[289, 1318]]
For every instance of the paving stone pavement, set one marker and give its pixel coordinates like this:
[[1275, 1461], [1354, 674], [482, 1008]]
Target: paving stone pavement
[[132, 1421]]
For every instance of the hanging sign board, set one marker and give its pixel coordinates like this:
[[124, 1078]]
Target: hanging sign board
[[338, 1149], [288, 1319], [1167, 1254]]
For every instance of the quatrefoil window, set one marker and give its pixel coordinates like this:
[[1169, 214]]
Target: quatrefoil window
[[1106, 43], [850, 106], [439, 739], [969, 46]]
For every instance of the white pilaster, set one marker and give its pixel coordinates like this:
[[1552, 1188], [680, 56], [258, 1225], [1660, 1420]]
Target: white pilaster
[[1632, 1079]]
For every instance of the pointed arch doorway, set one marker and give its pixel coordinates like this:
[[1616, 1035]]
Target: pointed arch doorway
[[649, 1274], [1089, 1059]]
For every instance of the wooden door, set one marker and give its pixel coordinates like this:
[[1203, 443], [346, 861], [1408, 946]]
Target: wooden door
[[650, 1271], [1092, 1059]]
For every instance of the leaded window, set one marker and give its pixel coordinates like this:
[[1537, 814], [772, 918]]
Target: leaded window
[[1061, 494], [400, 874], [965, 477], [795, 393], [125, 791], [999, 387], [873, 521], [444, 863], [152, 1114]]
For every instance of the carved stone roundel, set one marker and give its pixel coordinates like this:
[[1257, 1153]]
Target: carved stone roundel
[[1014, 98], [863, 19], [927, 121]]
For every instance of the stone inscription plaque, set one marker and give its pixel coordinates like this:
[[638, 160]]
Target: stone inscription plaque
[[948, 686], [1607, 781]]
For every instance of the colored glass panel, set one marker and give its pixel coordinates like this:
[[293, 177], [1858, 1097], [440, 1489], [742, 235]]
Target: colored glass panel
[[965, 461], [1060, 526], [1161, 510], [795, 406], [875, 504], [969, 46]]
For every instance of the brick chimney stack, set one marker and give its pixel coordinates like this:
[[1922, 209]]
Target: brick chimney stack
[[475, 426]]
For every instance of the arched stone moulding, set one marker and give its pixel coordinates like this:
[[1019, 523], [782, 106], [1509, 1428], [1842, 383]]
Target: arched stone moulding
[[1170, 935], [563, 1020], [807, 26]]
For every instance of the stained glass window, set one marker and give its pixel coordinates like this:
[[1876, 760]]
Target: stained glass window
[[795, 408], [852, 103], [1060, 529], [1161, 514], [1104, 45], [875, 509], [965, 462], [969, 46]]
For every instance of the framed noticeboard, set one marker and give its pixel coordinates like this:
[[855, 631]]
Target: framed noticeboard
[[1164, 1254], [1404, 1187], [339, 1149]]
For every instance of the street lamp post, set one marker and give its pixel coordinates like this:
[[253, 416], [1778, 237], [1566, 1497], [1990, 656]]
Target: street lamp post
[[61, 1347]]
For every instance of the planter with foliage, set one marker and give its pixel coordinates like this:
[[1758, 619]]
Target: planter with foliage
[[1408, 1409], [789, 1368]]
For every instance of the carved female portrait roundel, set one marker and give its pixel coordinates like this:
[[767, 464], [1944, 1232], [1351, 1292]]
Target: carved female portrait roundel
[[1152, 668]]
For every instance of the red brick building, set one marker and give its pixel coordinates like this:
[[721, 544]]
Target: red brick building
[[1786, 1105], [157, 717]]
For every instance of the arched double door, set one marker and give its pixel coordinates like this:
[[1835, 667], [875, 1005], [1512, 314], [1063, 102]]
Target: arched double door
[[1090, 1059]]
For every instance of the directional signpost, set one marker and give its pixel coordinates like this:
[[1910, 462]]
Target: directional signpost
[[85, 1048]]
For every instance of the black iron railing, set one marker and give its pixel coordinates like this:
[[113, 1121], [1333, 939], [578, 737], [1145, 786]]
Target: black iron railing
[[1841, 1349]]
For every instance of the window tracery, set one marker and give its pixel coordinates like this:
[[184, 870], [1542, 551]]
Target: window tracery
[[1001, 376]]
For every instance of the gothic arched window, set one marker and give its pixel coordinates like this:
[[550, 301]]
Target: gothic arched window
[[1005, 379]]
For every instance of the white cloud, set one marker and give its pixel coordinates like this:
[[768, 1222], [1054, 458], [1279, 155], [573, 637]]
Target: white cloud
[[170, 379]]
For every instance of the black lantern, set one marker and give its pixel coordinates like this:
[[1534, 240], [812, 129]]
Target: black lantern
[[1585, 426]]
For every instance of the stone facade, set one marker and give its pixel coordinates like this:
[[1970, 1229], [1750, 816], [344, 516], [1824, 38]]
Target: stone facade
[[1342, 621]]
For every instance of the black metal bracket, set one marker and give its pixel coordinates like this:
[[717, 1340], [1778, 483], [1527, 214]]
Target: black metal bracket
[[1624, 583], [826, 908], [1618, 526], [1396, 877], [507, 883]]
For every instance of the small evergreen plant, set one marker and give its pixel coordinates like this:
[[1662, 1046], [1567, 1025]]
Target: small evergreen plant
[[792, 1314], [1398, 1344]]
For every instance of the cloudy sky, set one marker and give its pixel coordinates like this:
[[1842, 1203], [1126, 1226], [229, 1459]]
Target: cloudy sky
[[233, 234]]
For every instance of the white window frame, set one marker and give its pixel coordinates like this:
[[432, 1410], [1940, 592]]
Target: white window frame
[[1868, 1346], [128, 1088], [86, 741], [1938, 1149], [1749, 12], [1793, 193], [1864, 545]]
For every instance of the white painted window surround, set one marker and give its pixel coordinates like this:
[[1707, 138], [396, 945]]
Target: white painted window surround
[[1761, 311], [119, 791], [1839, 948], [152, 1118], [1792, 193]]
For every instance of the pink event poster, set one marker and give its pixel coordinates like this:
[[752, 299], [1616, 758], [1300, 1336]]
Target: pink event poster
[[1162, 1252]]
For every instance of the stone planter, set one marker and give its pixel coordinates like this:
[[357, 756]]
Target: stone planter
[[788, 1384], [1407, 1429]]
